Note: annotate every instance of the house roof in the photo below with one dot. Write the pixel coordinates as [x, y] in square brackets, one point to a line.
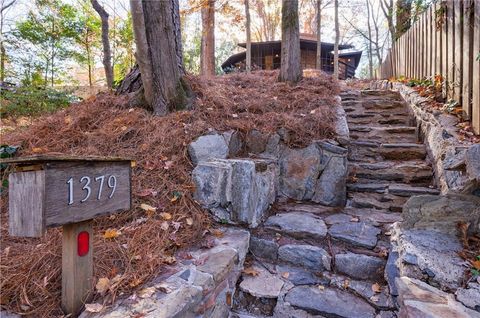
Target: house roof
[305, 43]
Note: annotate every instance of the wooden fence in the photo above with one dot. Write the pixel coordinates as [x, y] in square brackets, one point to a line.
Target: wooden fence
[445, 40]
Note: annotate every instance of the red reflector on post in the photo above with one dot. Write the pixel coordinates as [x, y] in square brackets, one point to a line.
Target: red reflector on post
[83, 243]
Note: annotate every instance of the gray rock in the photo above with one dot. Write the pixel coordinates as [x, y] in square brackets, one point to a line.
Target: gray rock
[338, 218]
[442, 213]
[331, 188]
[418, 299]
[472, 162]
[298, 224]
[234, 142]
[374, 215]
[402, 151]
[436, 255]
[405, 190]
[300, 276]
[262, 285]
[236, 191]
[331, 148]
[329, 302]
[308, 256]
[368, 187]
[341, 126]
[236, 238]
[360, 266]
[219, 263]
[381, 300]
[356, 233]
[386, 314]
[299, 171]
[392, 272]
[264, 248]
[212, 183]
[256, 141]
[470, 296]
[208, 147]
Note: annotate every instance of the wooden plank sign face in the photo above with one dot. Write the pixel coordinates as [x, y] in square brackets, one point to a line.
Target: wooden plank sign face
[76, 192]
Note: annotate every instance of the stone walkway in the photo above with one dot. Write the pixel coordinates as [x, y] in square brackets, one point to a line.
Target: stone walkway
[314, 261]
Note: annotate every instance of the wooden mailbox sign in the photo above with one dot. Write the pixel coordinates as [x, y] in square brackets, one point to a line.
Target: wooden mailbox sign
[46, 191]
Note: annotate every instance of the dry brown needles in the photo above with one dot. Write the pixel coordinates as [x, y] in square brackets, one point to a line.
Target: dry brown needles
[30, 268]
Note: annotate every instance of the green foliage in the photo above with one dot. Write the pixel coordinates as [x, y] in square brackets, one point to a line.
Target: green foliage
[123, 41]
[6, 151]
[33, 101]
[51, 29]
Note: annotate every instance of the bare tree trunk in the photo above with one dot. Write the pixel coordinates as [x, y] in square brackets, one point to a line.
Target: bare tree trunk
[290, 70]
[370, 57]
[387, 8]
[2, 61]
[337, 39]
[142, 54]
[107, 55]
[207, 51]
[248, 67]
[162, 26]
[319, 34]
[404, 12]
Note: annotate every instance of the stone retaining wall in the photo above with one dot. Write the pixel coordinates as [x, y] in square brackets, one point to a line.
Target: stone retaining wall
[202, 285]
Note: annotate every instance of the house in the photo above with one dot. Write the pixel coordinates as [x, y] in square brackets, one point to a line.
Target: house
[266, 56]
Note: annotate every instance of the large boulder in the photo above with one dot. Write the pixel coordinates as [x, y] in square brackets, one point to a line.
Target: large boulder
[442, 213]
[317, 172]
[215, 146]
[236, 191]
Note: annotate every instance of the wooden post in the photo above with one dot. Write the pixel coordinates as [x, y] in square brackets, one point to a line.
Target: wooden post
[467, 58]
[438, 40]
[476, 71]
[458, 56]
[445, 49]
[77, 266]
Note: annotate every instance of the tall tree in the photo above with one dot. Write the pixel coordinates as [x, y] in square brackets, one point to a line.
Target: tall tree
[248, 66]
[370, 50]
[319, 35]
[388, 10]
[207, 52]
[403, 17]
[4, 6]
[268, 14]
[142, 54]
[290, 70]
[337, 39]
[51, 28]
[107, 55]
[162, 30]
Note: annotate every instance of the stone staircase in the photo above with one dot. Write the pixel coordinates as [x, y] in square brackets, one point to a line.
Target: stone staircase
[308, 260]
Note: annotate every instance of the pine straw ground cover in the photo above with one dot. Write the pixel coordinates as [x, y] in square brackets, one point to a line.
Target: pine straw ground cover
[139, 243]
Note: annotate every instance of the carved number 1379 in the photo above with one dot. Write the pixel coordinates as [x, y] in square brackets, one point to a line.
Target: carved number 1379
[85, 181]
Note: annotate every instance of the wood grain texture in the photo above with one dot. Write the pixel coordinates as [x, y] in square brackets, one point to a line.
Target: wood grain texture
[476, 71]
[77, 271]
[26, 209]
[467, 58]
[58, 211]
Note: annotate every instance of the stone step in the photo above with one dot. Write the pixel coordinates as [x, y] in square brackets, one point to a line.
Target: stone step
[405, 190]
[390, 138]
[402, 151]
[383, 104]
[398, 189]
[408, 172]
[298, 225]
[378, 201]
[386, 94]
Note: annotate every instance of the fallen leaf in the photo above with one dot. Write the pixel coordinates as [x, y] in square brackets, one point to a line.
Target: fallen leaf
[93, 307]
[135, 282]
[321, 287]
[147, 208]
[176, 195]
[208, 242]
[168, 165]
[216, 232]
[251, 271]
[354, 219]
[285, 275]
[111, 233]
[102, 285]
[166, 216]
[68, 120]
[346, 283]
[146, 292]
[176, 226]
[170, 260]
[189, 221]
[146, 193]
[37, 150]
[6, 251]
[376, 288]
[228, 299]
[476, 264]
[374, 298]
[164, 226]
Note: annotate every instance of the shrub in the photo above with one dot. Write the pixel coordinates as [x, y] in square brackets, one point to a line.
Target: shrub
[33, 101]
